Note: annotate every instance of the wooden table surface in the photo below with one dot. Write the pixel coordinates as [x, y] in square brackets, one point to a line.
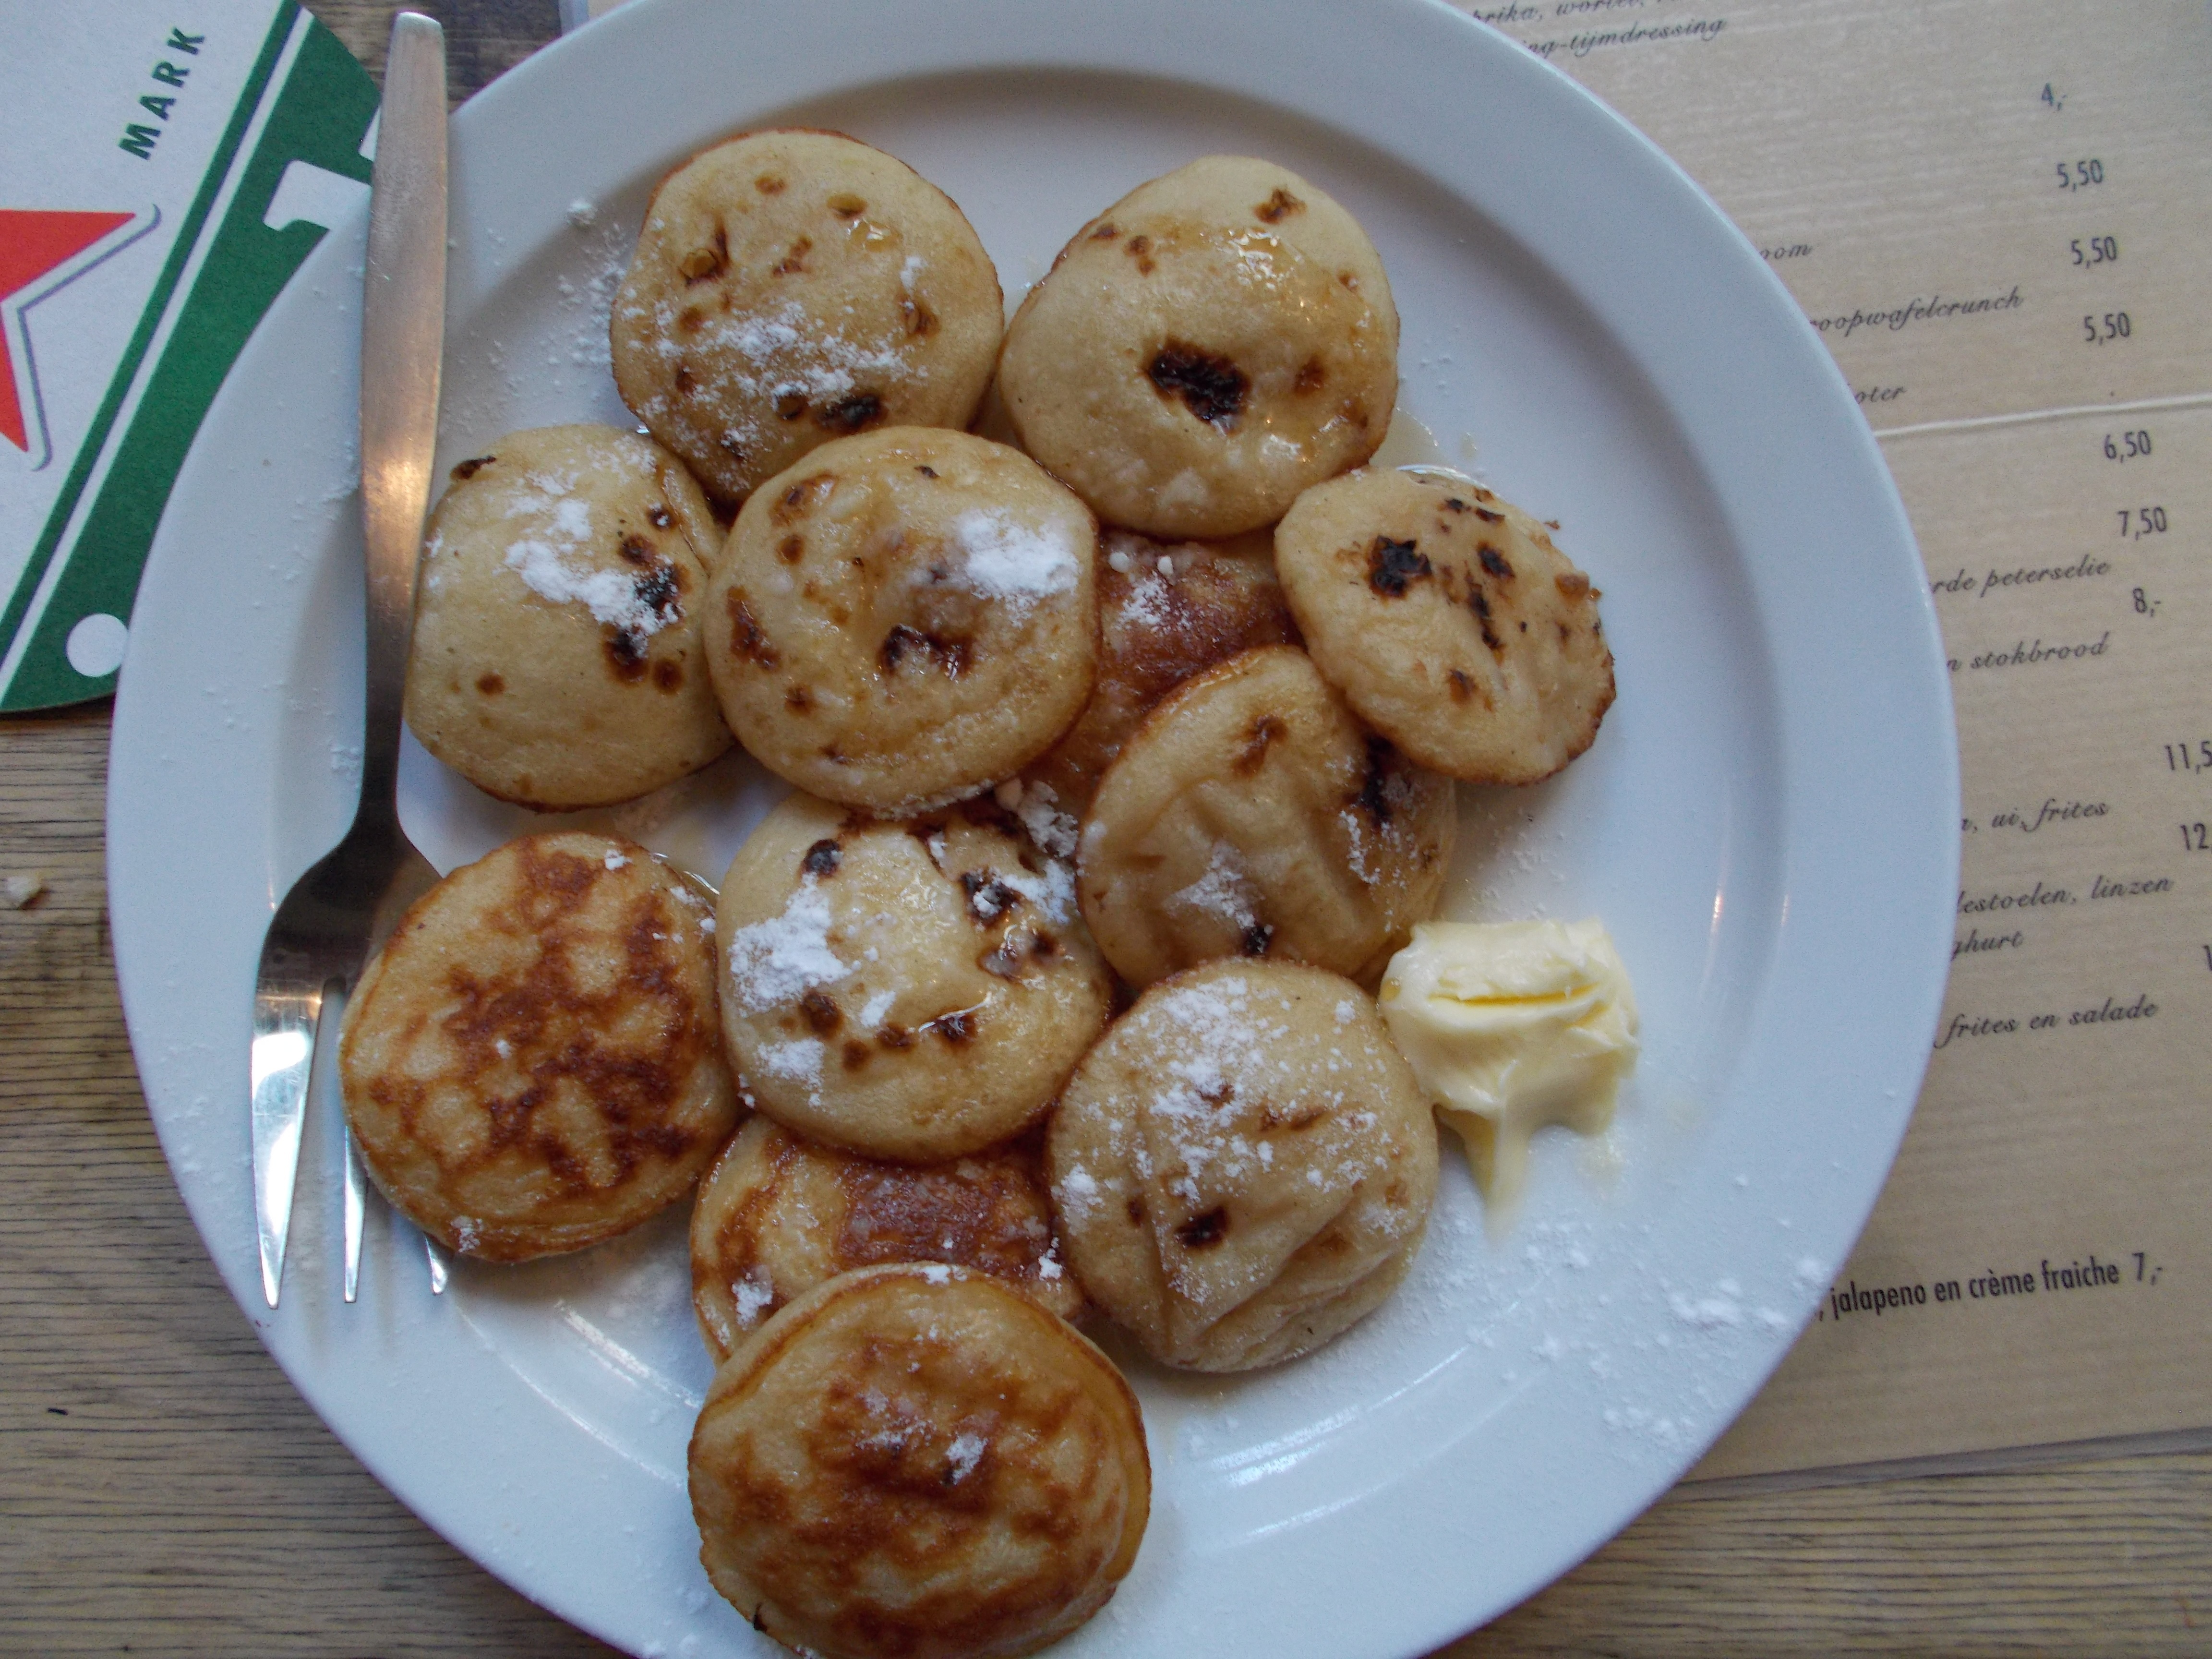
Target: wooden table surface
[163, 1491]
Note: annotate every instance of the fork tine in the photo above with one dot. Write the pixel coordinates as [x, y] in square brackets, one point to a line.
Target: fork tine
[340, 910]
[438, 1264]
[354, 1197]
[282, 1058]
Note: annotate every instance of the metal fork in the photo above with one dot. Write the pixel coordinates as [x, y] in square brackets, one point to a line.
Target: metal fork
[339, 912]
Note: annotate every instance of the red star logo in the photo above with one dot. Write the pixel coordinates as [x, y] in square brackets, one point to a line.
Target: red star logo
[34, 244]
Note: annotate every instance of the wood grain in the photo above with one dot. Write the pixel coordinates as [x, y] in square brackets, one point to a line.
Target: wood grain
[164, 1491]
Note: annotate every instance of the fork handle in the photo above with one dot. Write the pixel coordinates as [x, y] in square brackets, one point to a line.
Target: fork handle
[403, 326]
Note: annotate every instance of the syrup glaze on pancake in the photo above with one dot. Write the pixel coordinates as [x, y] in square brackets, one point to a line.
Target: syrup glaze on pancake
[1212, 344]
[533, 1063]
[914, 991]
[1251, 815]
[1166, 612]
[779, 1215]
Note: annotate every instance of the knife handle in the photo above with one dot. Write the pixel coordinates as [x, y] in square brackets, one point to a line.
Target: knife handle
[403, 328]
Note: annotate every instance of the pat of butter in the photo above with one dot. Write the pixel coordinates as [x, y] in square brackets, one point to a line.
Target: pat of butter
[1512, 1026]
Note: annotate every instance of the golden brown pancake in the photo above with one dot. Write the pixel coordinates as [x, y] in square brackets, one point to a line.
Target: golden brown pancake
[1251, 815]
[917, 1462]
[912, 991]
[1212, 344]
[557, 660]
[793, 286]
[531, 1064]
[778, 1215]
[1447, 618]
[903, 617]
[1243, 1166]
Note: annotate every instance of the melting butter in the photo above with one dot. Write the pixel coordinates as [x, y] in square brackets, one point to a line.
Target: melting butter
[1510, 1027]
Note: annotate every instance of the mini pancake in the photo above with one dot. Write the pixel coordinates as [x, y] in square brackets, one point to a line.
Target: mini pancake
[915, 991]
[1165, 613]
[1212, 344]
[1449, 621]
[778, 1215]
[531, 1064]
[905, 617]
[556, 660]
[917, 1462]
[792, 286]
[1251, 815]
[1242, 1167]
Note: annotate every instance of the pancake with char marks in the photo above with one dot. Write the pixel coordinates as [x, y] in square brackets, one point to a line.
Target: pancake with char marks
[917, 1462]
[533, 1062]
[779, 1215]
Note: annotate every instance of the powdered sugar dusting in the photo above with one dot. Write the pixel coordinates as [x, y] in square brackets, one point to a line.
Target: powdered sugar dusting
[776, 961]
[1051, 829]
[798, 1060]
[1356, 838]
[765, 358]
[1015, 562]
[753, 1294]
[963, 1454]
[1053, 892]
[1224, 890]
[554, 559]
[1707, 1313]
[1077, 1191]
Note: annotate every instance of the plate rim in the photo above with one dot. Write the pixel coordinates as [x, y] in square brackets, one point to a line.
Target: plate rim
[1764, 306]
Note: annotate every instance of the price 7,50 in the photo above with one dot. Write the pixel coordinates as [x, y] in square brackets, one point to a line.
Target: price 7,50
[2137, 522]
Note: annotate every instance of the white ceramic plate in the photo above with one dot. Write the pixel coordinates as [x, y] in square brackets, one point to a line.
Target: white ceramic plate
[1767, 821]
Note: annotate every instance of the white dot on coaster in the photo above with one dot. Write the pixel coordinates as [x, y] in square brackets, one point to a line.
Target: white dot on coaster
[95, 645]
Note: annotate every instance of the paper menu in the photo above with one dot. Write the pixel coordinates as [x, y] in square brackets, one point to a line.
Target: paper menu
[2000, 217]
